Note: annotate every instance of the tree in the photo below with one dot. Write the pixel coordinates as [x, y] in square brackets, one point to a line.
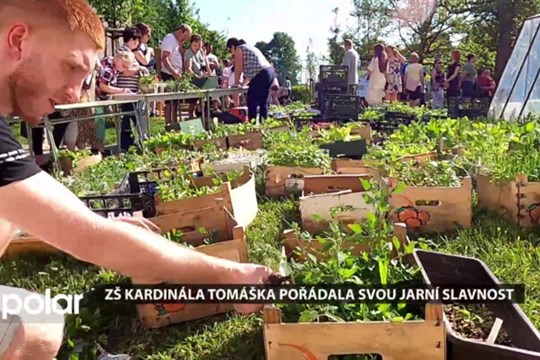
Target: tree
[335, 47]
[161, 15]
[494, 24]
[424, 26]
[280, 51]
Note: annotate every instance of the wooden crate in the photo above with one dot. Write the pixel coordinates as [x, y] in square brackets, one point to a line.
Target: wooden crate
[365, 132]
[232, 246]
[291, 244]
[517, 200]
[321, 193]
[249, 141]
[66, 164]
[451, 207]
[501, 198]
[27, 244]
[221, 143]
[318, 341]
[353, 166]
[279, 178]
[239, 198]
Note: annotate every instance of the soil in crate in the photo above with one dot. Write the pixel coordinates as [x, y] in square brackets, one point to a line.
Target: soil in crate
[475, 323]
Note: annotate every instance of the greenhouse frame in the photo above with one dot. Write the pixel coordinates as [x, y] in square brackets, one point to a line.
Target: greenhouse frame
[518, 92]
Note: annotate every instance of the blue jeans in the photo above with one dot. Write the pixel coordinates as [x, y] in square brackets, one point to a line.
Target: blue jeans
[257, 94]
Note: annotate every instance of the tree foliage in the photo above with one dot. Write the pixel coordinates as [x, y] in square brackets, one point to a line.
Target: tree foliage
[280, 51]
[163, 16]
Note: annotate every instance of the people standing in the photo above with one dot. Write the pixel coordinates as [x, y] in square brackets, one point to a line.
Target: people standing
[258, 73]
[172, 52]
[394, 79]
[376, 76]
[350, 59]
[414, 80]
[437, 85]
[452, 83]
[144, 54]
[196, 65]
[213, 60]
[468, 79]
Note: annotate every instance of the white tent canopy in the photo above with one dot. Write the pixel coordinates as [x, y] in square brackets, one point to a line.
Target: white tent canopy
[518, 93]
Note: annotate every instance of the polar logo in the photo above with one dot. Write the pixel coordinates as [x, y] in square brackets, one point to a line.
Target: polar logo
[34, 304]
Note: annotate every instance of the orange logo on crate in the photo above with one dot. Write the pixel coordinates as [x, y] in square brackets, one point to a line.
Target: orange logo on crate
[412, 217]
[534, 213]
[306, 352]
[165, 309]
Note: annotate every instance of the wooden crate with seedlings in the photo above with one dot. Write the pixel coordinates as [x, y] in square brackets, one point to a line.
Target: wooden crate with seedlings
[365, 133]
[320, 340]
[517, 200]
[432, 209]
[353, 166]
[249, 141]
[238, 196]
[502, 198]
[391, 340]
[281, 179]
[221, 143]
[322, 193]
[231, 245]
[295, 248]
[69, 167]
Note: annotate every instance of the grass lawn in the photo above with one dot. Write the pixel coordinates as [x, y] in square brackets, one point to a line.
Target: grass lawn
[510, 252]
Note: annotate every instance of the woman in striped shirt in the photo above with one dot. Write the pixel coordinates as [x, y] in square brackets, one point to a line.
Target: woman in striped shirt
[258, 72]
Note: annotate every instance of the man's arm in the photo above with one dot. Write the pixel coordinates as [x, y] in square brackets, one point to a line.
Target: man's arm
[46, 209]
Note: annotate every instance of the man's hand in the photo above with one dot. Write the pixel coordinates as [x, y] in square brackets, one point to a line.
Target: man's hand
[250, 274]
[176, 75]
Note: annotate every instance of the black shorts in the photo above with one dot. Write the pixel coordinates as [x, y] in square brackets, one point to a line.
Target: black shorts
[416, 94]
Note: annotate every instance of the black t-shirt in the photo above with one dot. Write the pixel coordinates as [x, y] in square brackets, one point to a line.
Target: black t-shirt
[16, 164]
[454, 84]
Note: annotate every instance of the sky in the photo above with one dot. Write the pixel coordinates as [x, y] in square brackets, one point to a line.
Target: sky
[257, 20]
